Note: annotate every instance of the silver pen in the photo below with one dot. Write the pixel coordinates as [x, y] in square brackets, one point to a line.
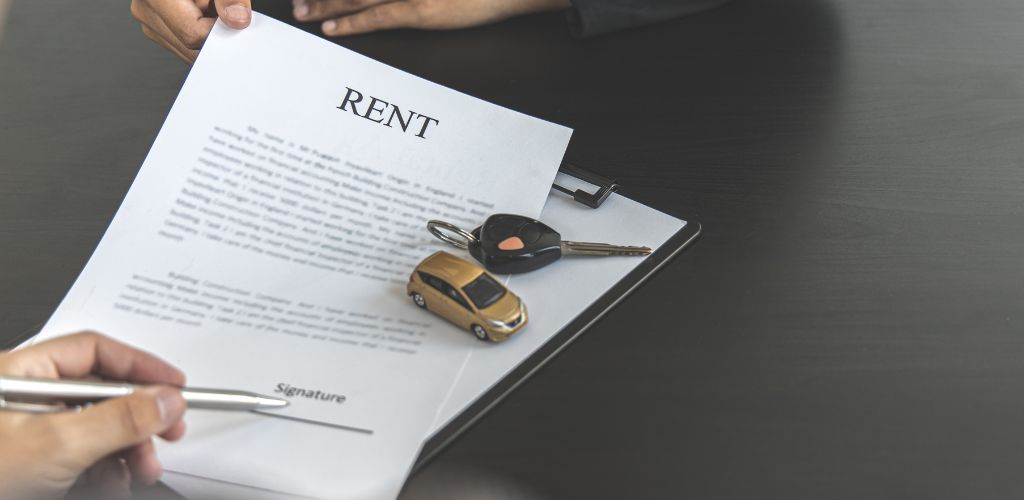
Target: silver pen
[43, 395]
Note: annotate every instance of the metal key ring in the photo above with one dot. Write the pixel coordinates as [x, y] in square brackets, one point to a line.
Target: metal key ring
[435, 226]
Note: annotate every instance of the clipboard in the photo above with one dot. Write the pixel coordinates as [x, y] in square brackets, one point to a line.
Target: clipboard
[603, 188]
[602, 191]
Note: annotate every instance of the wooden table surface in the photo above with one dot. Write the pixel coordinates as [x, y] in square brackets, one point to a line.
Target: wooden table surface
[849, 326]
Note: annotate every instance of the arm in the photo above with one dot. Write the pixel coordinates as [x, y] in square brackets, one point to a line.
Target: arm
[586, 17]
[350, 17]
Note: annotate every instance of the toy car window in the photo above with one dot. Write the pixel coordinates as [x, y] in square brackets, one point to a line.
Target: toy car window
[454, 294]
[484, 291]
[433, 281]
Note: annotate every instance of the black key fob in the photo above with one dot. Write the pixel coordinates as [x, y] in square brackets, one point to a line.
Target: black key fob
[512, 244]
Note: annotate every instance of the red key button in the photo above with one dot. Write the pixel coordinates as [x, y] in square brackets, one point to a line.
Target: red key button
[511, 243]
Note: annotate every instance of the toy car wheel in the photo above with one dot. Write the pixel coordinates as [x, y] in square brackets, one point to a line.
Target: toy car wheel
[418, 299]
[479, 332]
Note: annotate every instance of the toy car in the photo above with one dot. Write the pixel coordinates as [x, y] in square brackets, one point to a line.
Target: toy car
[463, 293]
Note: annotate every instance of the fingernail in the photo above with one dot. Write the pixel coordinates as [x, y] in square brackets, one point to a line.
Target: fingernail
[237, 13]
[329, 26]
[301, 10]
[169, 403]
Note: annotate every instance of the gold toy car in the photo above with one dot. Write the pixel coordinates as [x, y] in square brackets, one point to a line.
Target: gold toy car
[465, 294]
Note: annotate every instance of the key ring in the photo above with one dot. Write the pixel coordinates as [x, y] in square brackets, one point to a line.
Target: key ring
[435, 227]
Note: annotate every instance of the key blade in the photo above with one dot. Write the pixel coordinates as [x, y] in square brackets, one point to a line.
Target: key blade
[602, 249]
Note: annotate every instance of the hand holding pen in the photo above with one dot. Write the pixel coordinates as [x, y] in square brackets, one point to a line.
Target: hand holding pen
[103, 448]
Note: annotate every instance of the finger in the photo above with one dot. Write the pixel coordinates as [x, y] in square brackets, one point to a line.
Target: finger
[380, 17]
[116, 424]
[173, 44]
[176, 432]
[318, 10]
[235, 13]
[207, 7]
[155, 29]
[185, 20]
[153, 35]
[81, 354]
[144, 465]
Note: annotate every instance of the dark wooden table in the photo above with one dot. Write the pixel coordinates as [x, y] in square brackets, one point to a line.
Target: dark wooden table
[851, 324]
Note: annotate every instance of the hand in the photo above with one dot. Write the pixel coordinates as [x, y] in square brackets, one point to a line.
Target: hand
[182, 26]
[105, 447]
[348, 17]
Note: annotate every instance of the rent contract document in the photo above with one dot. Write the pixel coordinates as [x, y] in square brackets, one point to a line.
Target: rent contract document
[266, 242]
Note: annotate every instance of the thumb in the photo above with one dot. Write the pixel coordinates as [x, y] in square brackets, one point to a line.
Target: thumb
[235, 13]
[119, 423]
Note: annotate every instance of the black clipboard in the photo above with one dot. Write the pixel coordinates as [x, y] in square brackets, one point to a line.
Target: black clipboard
[593, 313]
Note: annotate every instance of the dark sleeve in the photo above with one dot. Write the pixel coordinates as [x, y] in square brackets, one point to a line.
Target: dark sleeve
[594, 17]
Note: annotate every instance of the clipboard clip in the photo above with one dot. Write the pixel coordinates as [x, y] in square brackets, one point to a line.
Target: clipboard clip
[605, 186]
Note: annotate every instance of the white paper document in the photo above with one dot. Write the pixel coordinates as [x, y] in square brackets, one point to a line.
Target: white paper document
[266, 243]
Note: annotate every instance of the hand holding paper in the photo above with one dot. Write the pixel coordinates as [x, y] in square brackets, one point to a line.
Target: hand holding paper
[181, 26]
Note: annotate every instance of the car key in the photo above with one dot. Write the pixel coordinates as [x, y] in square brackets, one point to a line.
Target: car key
[512, 244]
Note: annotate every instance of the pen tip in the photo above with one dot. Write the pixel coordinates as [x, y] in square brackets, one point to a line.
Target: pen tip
[272, 403]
